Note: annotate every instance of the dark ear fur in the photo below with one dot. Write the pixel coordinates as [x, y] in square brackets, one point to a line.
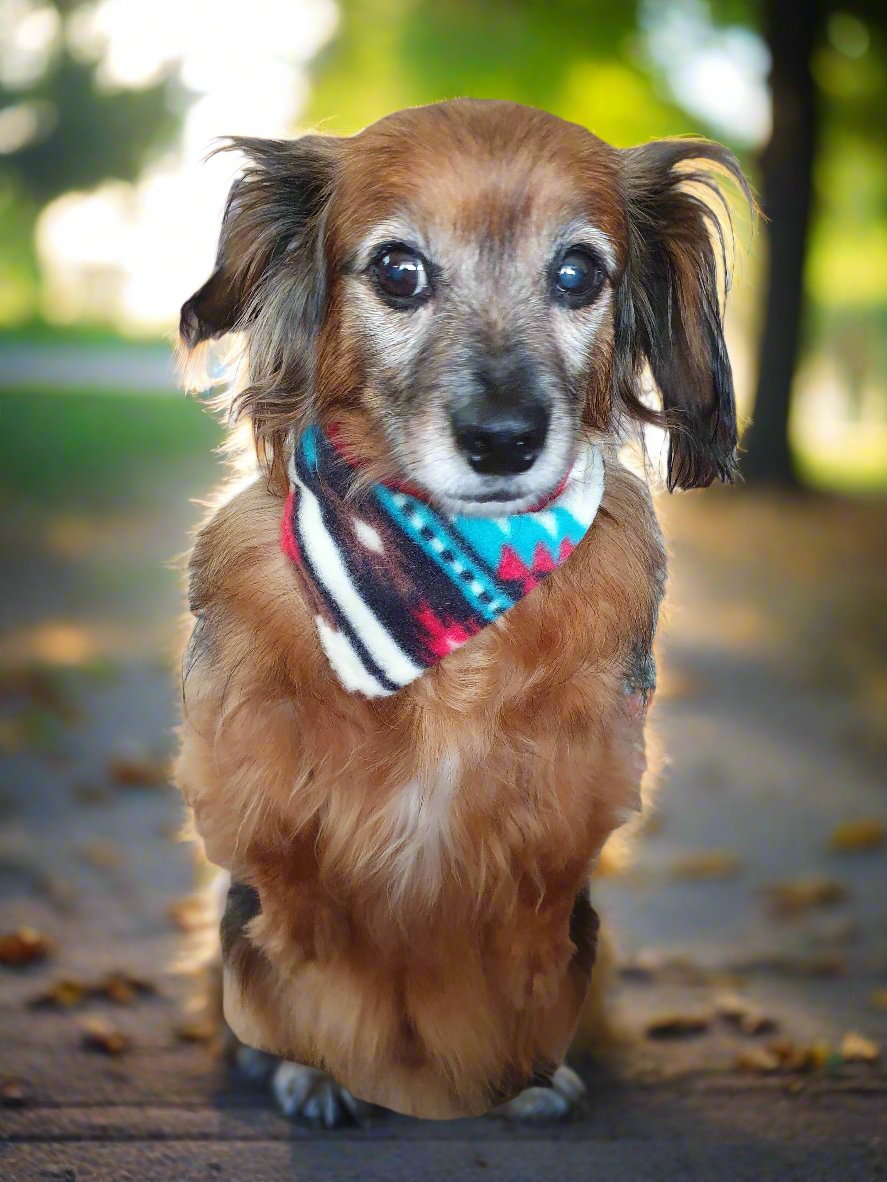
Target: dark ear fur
[270, 281]
[669, 308]
[273, 209]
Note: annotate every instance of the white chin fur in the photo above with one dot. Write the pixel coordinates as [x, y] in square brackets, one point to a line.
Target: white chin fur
[451, 484]
[458, 507]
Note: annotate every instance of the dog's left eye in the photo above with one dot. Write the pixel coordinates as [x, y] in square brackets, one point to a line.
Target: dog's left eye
[578, 277]
[400, 273]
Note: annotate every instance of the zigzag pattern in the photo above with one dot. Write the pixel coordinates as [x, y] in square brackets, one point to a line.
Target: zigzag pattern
[395, 585]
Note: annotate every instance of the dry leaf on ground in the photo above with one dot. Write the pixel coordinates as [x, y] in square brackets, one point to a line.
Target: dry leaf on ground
[705, 865]
[795, 896]
[138, 771]
[188, 914]
[13, 1093]
[656, 967]
[23, 946]
[758, 1060]
[101, 854]
[743, 1015]
[813, 1057]
[99, 1035]
[856, 1048]
[677, 1025]
[196, 1031]
[868, 833]
[120, 987]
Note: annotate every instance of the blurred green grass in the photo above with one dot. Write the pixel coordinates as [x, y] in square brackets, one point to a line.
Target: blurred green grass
[78, 447]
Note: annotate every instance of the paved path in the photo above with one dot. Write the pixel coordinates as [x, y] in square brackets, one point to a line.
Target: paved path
[87, 367]
[767, 755]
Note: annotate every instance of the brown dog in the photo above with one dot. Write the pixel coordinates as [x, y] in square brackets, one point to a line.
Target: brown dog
[410, 910]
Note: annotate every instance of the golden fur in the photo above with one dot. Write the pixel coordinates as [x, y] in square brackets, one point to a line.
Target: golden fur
[416, 951]
[418, 864]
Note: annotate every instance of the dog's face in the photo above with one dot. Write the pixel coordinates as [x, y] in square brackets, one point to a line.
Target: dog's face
[479, 285]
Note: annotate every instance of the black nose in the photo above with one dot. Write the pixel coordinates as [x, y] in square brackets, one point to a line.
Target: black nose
[502, 428]
[501, 442]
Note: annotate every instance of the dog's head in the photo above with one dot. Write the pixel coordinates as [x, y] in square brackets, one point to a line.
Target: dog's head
[479, 285]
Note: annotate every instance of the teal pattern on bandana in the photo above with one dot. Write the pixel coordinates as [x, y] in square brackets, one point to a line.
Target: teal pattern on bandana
[395, 584]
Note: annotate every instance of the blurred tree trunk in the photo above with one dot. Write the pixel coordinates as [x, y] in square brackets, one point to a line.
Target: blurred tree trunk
[787, 197]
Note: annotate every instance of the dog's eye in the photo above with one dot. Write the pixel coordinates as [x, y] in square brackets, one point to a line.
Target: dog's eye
[579, 277]
[400, 273]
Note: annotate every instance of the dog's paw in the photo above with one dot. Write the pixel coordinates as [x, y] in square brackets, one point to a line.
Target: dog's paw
[311, 1097]
[563, 1100]
[253, 1065]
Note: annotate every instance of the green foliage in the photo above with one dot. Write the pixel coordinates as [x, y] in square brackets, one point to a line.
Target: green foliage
[76, 447]
[571, 57]
[86, 133]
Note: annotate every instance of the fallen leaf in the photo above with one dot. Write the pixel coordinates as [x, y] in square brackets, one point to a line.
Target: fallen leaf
[14, 1093]
[188, 914]
[795, 896]
[878, 999]
[803, 1058]
[741, 1014]
[705, 865]
[677, 1025]
[652, 966]
[120, 987]
[39, 686]
[99, 1035]
[138, 771]
[609, 864]
[864, 834]
[758, 1060]
[196, 1031]
[23, 946]
[856, 1048]
[101, 854]
[64, 993]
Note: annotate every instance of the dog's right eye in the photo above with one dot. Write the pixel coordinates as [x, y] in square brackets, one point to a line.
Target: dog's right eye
[400, 274]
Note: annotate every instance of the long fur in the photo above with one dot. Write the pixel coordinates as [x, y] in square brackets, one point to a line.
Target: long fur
[410, 907]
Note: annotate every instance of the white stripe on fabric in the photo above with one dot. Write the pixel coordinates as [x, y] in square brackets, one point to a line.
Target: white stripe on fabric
[346, 662]
[323, 554]
[585, 488]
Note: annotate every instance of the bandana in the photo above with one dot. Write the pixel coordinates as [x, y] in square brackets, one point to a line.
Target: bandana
[396, 585]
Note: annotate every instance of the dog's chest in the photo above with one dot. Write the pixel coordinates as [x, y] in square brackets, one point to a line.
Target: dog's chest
[420, 824]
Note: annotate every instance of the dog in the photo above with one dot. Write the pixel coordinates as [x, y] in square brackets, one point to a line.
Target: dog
[461, 299]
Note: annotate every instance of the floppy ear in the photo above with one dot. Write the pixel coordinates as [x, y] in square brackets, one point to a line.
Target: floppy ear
[669, 309]
[272, 220]
[270, 282]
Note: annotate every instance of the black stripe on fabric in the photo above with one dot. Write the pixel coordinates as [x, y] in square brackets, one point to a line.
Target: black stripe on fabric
[334, 474]
[330, 482]
[441, 593]
[342, 622]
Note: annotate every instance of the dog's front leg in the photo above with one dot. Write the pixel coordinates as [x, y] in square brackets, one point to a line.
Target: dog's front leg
[305, 1094]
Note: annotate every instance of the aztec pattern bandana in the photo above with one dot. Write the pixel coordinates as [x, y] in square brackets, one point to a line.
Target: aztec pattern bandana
[396, 585]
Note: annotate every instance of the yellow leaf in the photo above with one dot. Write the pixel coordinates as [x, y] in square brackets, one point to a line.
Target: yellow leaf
[855, 1048]
[864, 834]
[704, 865]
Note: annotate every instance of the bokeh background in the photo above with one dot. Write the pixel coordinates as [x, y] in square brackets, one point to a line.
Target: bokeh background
[762, 868]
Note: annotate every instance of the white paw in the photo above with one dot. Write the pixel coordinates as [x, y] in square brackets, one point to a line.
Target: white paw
[254, 1065]
[562, 1100]
[312, 1097]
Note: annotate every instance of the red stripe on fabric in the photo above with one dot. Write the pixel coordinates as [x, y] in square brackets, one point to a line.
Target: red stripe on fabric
[288, 542]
